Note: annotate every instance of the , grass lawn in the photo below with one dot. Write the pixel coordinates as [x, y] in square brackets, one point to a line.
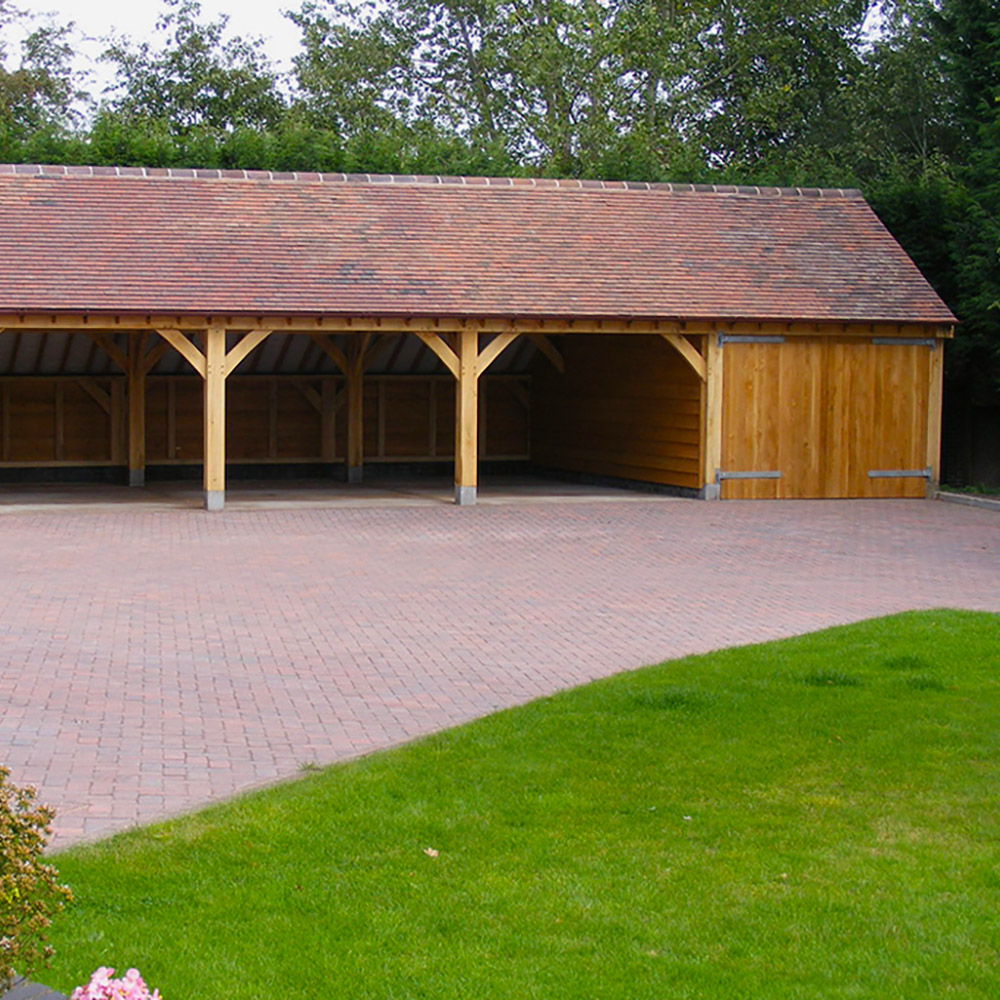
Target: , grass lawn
[815, 818]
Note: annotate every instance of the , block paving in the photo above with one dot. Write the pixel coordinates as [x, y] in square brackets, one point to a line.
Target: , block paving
[155, 659]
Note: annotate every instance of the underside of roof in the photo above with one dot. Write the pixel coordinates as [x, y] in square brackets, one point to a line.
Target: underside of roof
[109, 240]
[61, 352]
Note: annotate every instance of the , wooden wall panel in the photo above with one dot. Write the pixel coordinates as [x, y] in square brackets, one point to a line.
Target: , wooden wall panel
[442, 434]
[823, 412]
[4, 422]
[405, 416]
[627, 406]
[53, 420]
[157, 410]
[296, 424]
[48, 421]
[188, 422]
[506, 428]
[340, 421]
[411, 417]
[371, 414]
[32, 420]
[86, 429]
[248, 423]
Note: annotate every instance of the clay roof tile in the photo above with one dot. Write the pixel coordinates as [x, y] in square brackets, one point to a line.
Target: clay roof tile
[124, 239]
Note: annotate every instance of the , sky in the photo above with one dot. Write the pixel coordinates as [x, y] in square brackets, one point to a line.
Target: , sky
[137, 18]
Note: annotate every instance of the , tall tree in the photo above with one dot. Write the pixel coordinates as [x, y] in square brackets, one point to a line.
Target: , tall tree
[354, 70]
[769, 72]
[925, 144]
[542, 78]
[971, 35]
[38, 91]
[198, 79]
[535, 82]
[568, 86]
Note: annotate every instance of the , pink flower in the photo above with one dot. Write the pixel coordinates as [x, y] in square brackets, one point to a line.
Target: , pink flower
[103, 987]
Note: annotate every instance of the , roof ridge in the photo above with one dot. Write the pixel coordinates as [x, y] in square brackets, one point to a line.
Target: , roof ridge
[427, 180]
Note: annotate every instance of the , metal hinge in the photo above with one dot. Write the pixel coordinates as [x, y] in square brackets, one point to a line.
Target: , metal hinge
[720, 475]
[906, 341]
[900, 473]
[748, 338]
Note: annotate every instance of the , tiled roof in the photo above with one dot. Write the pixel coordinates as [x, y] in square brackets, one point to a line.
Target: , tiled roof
[134, 240]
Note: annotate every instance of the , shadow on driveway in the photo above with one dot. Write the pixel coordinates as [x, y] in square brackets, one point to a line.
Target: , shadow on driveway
[279, 494]
[155, 658]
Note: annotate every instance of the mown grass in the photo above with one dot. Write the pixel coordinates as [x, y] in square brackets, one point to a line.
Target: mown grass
[818, 817]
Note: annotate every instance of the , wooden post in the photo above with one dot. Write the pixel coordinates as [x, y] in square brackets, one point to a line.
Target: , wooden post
[467, 419]
[272, 419]
[467, 364]
[5, 417]
[355, 375]
[354, 363]
[214, 365]
[935, 387]
[328, 420]
[712, 440]
[137, 410]
[117, 421]
[60, 422]
[215, 418]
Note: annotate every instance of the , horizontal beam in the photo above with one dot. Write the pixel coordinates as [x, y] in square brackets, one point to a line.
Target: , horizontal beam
[443, 378]
[117, 323]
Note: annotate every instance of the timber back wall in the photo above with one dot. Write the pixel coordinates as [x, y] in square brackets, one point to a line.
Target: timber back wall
[628, 407]
[67, 420]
